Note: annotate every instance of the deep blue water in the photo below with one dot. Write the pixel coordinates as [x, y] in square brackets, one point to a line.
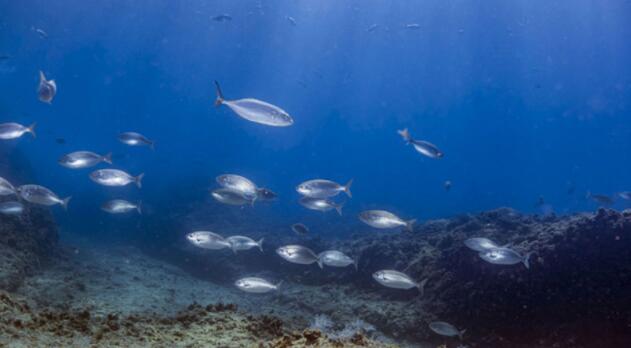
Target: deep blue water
[526, 99]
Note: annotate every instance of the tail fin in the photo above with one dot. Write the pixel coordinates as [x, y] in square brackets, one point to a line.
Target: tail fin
[338, 208]
[220, 98]
[64, 202]
[421, 286]
[139, 207]
[31, 129]
[260, 244]
[405, 134]
[356, 263]
[42, 77]
[526, 260]
[320, 263]
[233, 247]
[461, 333]
[279, 284]
[347, 188]
[138, 180]
[108, 158]
[253, 200]
[409, 225]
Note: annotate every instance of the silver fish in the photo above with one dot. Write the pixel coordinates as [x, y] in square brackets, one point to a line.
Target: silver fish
[11, 208]
[424, 147]
[445, 329]
[239, 184]
[625, 195]
[41, 195]
[207, 240]
[256, 285]
[413, 26]
[398, 280]
[6, 188]
[372, 28]
[120, 206]
[14, 130]
[231, 197]
[115, 177]
[298, 254]
[42, 34]
[84, 159]
[384, 219]
[135, 139]
[255, 110]
[320, 188]
[300, 229]
[505, 256]
[47, 89]
[291, 20]
[480, 244]
[336, 258]
[321, 204]
[244, 243]
[602, 199]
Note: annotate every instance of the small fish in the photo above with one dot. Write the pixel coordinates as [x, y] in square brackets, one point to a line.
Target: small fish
[447, 185]
[239, 184]
[445, 329]
[625, 195]
[320, 188]
[372, 28]
[413, 26]
[322, 205]
[298, 254]
[42, 34]
[336, 258]
[4, 56]
[481, 244]
[47, 89]
[505, 256]
[207, 240]
[398, 280]
[121, 206]
[84, 159]
[115, 177]
[135, 139]
[6, 188]
[256, 285]
[384, 219]
[291, 20]
[601, 199]
[230, 197]
[266, 194]
[255, 110]
[11, 208]
[300, 229]
[41, 195]
[423, 147]
[244, 243]
[224, 17]
[13, 130]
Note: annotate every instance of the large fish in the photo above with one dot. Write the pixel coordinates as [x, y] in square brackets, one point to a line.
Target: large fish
[256, 285]
[207, 240]
[244, 243]
[384, 219]
[398, 280]
[121, 206]
[115, 177]
[239, 184]
[320, 188]
[298, 254]
[322, 205]
[47, 89]
[41, 195]
[445, 329]
[423, 147]
[135, 139]
[14, 130]
[84, 159]
[335, 258]
[255, 110]
[505, 256]
[6, 188]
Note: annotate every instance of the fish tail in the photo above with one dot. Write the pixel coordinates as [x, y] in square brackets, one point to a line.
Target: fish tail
[260, 244]
[409, 225]
[108, 158]
[31, 129]
[421, 286]
[526, 260]
[405, 134]
[42, 77]
[320, 263]
[138, 180]
[338, 208]
[234, 248]
[139, 207]
[253, 200]
[461, 333]
[347, 188]
[220, 98]
[279, 284]
[64, 202]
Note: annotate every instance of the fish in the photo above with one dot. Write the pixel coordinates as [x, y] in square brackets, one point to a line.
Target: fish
[445, 329]
[423, 147]
[505, 256]
[230, 197]
[372, 28]
[255, 110]
[240, 184]
[121, 206]
[321, 188]
[335, 258]
[4, 56]
[14, 130]
[207, 240]
[115, 177]
[41, 195]
[322, 205]
[398, 280]
[6, 188]
[625, 195]
[384, 220]
[447, 185]
[47, 89]
[42, 34]
[413, 26]
[135, 139]
[300, 229]
[480, 244]
[224, 17]
[256, 285]
[291, 20]
[266, 194]
[244, 243]
[11, 208]
[601, 199]
[298, 254]
[84, 159]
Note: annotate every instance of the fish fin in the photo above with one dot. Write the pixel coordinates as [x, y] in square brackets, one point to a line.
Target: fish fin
[320, 263]
[421, 286]
[42, 77]
[139, 207]
[347, 188]
[356, 263]
[138, 180]
[64, 202]
[260, 244]
[234, 249]
[461, 333]
[338, 208]
[220, 98]
[405, 134]
[31, 129]
[253, 200]
[409, 225]
[108, 158]
[279, 284]
[526, 260]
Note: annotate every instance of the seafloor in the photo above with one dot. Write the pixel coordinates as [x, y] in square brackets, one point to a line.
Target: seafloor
[576, 294]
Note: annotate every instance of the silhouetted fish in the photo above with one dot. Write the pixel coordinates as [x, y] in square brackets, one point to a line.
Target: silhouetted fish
[224, 17]
[300, 229]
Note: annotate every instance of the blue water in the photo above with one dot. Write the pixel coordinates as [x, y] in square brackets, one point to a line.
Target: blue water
[526, 99]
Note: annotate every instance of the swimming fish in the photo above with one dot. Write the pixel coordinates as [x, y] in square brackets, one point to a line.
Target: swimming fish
[447, 185]
[256, 285]
[413, 26]
[372, 28]
[481, 244]
[121, 206]
[320, 188]
[42, 34]
[4, 56]
[300, 229]
[298, 254]
[224, 17]
[231, 197]
[47, 89]
[505, 256]
[135, 139]
[255, 110]
[207, 240]
[322, 205]
[445, 329]
[291, 20]
[601, 199]
[41, 195]
[6, 188]
[384, 219]
[11, 208]
[244, 243]
[336, 258]
[14, 130]
[115, 177]
[398, 280]
[239, 184]
[84, 159]
[423, 147]
[625, 195]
